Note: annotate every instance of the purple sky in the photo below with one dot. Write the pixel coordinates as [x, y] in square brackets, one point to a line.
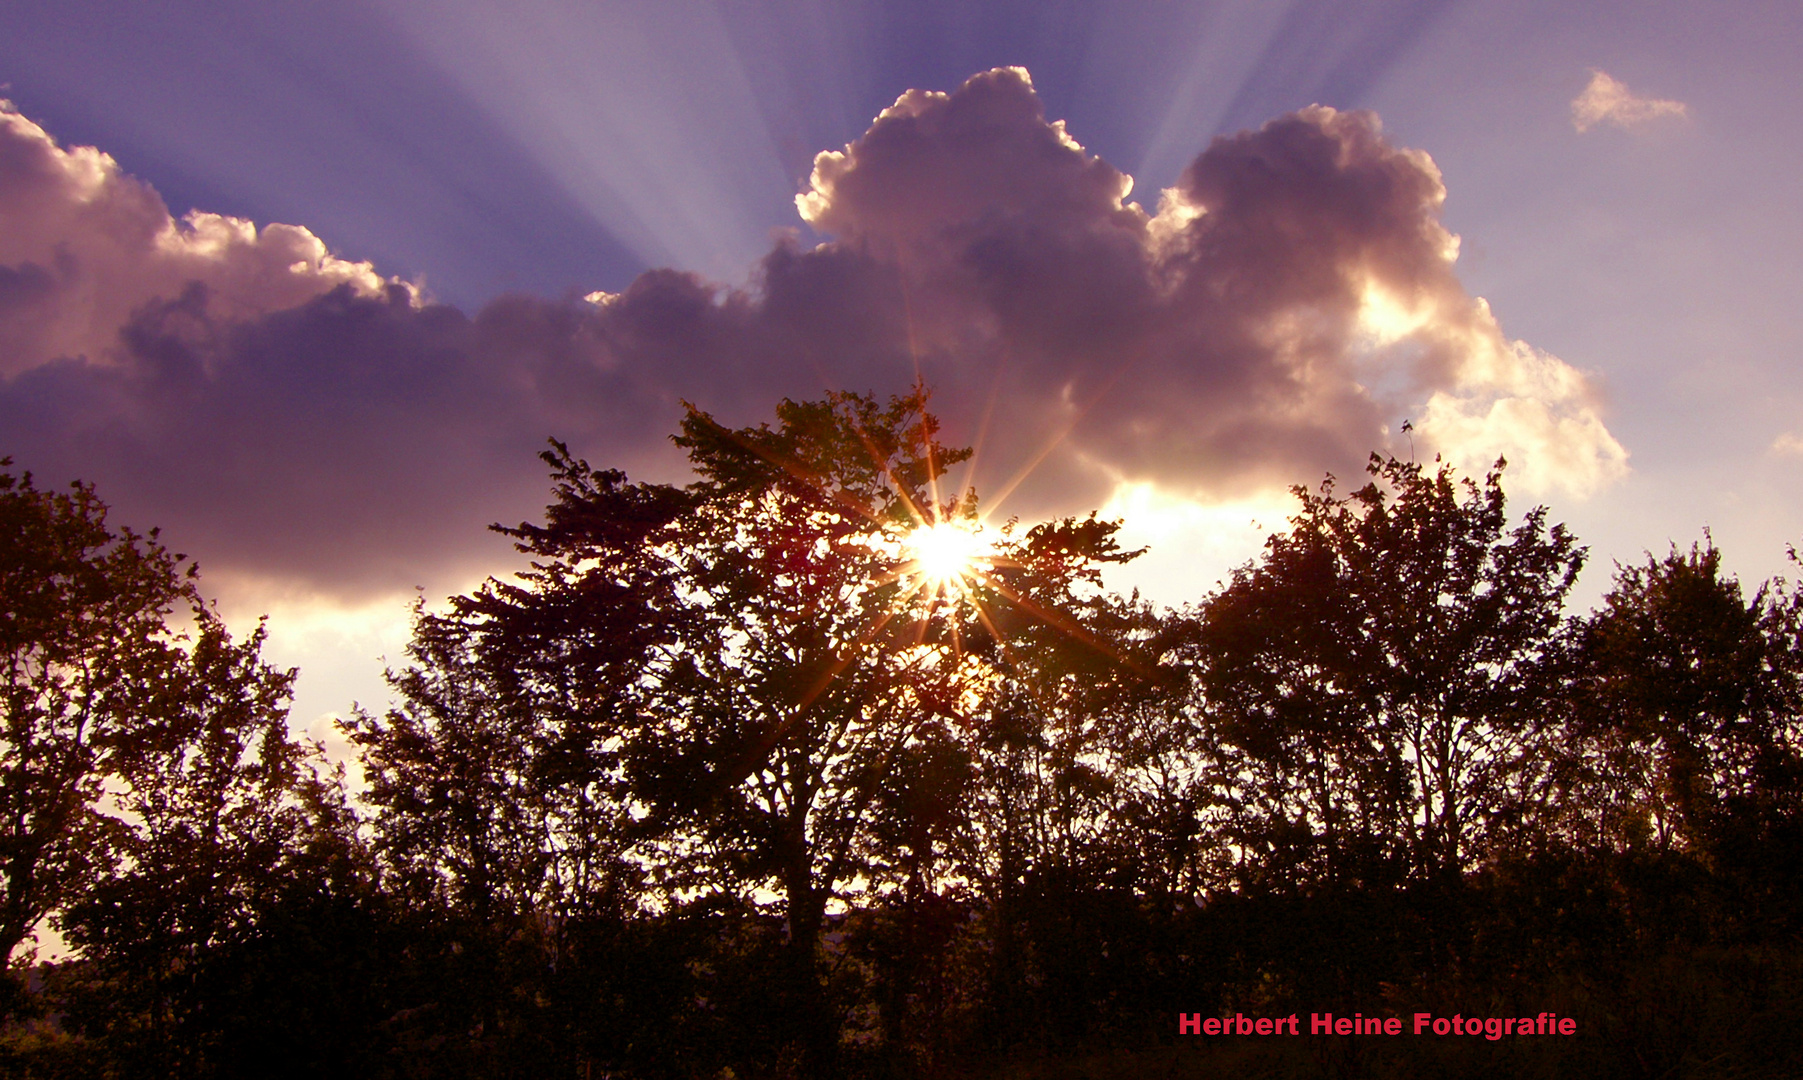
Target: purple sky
[1567, 235]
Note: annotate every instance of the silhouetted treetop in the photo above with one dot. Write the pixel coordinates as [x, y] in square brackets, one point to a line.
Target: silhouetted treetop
[1374, 680]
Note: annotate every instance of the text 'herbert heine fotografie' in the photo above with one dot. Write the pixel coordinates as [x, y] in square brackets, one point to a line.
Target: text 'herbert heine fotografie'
[1489, 1027]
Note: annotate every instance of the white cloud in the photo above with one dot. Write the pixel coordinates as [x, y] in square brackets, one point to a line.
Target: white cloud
[1607, 101]
[1511, 400]
[1292, 299]
[83, 246]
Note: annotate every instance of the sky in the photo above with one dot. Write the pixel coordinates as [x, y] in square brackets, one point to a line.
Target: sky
[308, 285]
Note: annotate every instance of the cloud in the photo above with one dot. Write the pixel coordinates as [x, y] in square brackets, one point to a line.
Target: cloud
[83, 245]
[1283, 307]
[1289, 300]
[355, 442]
[1605, 100]
[1789, 443]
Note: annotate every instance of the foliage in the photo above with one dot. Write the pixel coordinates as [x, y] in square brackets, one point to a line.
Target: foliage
[1684, 700]
[85, 648]
[741, 685]
[155, 804]
[739, 779]
[1374, 687]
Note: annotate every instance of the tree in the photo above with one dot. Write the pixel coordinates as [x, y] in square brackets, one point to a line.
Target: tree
[1374, 686]
[86, 649]
[762, 677]
[1685, 700]
[501, 816]
[215, 820]
[151, 794]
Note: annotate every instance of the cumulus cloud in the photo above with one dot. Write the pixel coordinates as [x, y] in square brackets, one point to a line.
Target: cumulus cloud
[1606, 101]
[286, 415]
[83, 246]
[1280, 309]
[1287, 301]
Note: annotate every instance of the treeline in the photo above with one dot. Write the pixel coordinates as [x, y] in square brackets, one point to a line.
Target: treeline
[791, 772]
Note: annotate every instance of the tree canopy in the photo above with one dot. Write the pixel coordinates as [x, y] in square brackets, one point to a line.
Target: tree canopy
[808, 767]
[1375, 686]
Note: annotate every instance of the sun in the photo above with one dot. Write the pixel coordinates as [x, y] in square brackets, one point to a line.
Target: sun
[946, 556]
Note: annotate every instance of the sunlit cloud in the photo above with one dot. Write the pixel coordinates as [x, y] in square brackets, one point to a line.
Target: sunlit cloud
[84, 246]
[1287, 303]
[1788, 444]
[1606, 101]
[1510, 400]
[1388, 318]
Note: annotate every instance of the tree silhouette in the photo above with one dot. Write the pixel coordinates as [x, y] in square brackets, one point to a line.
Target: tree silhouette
[1685, 700]
[151, 795]
[1374, 686]
[82, 611]
[797, 771]
[762, 683]
[212, 817]
[113, 719]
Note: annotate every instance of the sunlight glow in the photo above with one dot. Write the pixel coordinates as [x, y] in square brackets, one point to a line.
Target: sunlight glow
[1192, 544]
[945, 556]
[1388, 318]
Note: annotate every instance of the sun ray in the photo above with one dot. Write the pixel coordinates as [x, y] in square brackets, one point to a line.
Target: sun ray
[946, 560]
[982, 433]
[1038, 459]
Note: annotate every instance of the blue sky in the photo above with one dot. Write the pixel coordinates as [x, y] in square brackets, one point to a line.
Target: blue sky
[444, 139]
[553, 150]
